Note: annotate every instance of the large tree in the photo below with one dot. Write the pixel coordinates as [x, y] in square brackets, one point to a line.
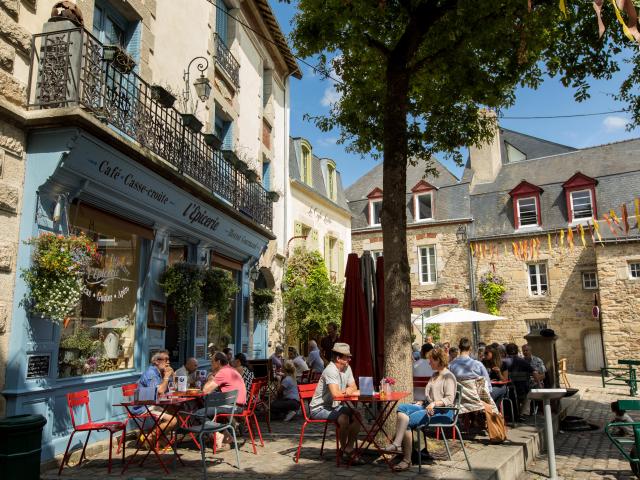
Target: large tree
[415, 76]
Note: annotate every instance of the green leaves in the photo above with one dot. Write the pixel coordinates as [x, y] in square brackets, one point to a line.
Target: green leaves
[182, 283]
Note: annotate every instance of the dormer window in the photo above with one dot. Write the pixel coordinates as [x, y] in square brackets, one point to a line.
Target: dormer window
[526, 205]
[332, 184]
[513, 154]
[305, 164]
[375, 207]
[423, 196]
[580, 195]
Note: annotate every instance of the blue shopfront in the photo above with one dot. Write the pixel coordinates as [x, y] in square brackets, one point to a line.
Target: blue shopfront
[142, 222]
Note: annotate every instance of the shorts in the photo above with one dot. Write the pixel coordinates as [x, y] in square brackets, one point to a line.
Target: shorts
[322, 413]
[418, 416]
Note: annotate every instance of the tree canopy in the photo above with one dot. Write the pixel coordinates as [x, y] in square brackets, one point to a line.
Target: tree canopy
[415, 76]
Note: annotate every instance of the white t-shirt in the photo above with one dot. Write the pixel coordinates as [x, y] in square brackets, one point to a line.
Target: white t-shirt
[330, 376]
[300, 364]
[421, 368]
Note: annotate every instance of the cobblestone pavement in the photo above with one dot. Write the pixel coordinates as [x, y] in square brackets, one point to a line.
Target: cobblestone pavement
[587, 455]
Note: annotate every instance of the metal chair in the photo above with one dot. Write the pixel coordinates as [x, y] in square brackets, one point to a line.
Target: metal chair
[206, 426]
[306, 393]
[562, 372]
[81, 399]
[249, 413]
[453, 424]
[263, 401]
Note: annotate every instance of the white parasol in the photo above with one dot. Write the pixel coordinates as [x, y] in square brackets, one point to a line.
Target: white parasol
[457, 315]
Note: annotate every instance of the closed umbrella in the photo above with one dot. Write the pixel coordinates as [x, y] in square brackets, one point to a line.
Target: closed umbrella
[355, 323]
[379, 323]
[367, 270]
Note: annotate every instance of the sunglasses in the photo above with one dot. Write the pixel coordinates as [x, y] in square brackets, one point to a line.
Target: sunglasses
[163, 359]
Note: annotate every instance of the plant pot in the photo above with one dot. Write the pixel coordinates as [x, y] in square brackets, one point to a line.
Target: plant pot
[212, 140]
[191, 122]
[252, 176]
[273, 196]
[119, 58]
[163, 96]
[70, 354]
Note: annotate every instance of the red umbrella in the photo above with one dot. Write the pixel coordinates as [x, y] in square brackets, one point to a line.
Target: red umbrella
[379, 321]
[355, 322]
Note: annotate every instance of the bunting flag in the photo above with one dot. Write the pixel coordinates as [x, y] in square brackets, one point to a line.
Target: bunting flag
[581, 230]
[570, 238]
[515, 249]
[471, 249]
[531, 242]
[561, 238]
[506, 251]
[637, 204]
[539, 242]
[616, 220]
[593, 238]
[625, 28]
[625, 219]
[608, 220]
[523, 250]
[549, 241]
[596, 227]
[563, 9]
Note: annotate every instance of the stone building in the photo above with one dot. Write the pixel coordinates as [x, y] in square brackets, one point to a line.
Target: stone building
[90, 142]
[519, 203]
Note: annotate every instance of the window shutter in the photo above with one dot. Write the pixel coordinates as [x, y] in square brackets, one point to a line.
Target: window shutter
[313, 245]
[222, 22]
[266, 175]
[227, 141]
[327, 251]
[297, 229]
[340, 259]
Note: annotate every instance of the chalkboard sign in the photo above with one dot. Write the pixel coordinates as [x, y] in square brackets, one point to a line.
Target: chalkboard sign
[38, 366]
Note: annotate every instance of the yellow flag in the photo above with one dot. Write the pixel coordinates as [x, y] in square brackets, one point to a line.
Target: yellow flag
[637, 204]
[549, 241]
[625, 29]
[581, 230]
[515, 249]
[596, 227]
[471, 248]
[561, 238]
[570, 238]
[506, 252]
[563, 8]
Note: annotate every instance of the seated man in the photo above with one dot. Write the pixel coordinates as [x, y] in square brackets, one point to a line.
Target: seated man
[189, 370]
[157, 375]
[520, 371]
[277, 362]
[314, 360]
[474, 379]
[337, 379]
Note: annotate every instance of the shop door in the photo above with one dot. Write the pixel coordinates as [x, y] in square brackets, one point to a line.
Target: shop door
[593, 352]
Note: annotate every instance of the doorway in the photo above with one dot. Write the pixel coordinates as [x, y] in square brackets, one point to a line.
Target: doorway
[593, 359]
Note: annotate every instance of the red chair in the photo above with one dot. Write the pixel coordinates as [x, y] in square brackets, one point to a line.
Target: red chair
[128, 391]
[264, 400]
[306, 393]
[314, 377]
[249, 413]
[81, 399]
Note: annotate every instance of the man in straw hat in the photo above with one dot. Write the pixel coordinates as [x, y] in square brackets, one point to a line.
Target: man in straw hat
[337, 379]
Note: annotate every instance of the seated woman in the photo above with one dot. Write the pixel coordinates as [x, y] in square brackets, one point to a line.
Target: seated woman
[497, 372]
[439, 392]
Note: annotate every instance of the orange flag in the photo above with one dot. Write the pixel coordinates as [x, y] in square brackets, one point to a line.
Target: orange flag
[549, 241]
[506, 251]
[608, 220]
[538, 246]
[615, 219]
[625, 219]
[570, 238]
[515, 249]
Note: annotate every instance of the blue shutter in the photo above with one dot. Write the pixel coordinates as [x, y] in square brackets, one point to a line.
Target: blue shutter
[222, 20]
[227, 141]
[266, 175]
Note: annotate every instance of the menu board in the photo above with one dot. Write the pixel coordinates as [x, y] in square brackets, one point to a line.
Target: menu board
[38, 366]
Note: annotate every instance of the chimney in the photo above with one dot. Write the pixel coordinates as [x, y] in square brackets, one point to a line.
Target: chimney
[486, 160]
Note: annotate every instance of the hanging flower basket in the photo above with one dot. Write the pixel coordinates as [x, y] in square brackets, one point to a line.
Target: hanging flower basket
[273, 196]
[262, 300]
[493, 292]
[252, 176]
[119, 58]
[191, 122]
[55, 279]
[212, 140]
[218, 290]
[163, 96]
[181, 284]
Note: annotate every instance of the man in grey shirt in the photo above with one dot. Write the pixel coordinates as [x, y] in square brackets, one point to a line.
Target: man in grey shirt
[314, 361]
[337, 379]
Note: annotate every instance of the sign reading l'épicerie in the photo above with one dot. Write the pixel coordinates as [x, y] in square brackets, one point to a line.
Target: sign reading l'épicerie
[136, 183]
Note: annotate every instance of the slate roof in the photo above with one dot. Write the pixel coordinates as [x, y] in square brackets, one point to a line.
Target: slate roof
[451, 199]
[317, 177]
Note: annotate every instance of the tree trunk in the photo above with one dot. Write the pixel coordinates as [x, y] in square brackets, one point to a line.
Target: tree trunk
[397, 283]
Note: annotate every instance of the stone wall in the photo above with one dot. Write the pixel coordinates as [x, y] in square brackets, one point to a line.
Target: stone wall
[620, 300]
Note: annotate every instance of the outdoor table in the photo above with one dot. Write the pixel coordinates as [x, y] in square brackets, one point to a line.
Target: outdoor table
[546, 395]
[387, 405]
[164, 404]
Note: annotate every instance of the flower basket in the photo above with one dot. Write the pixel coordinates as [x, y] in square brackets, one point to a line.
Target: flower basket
[273, 196]
[262, 300]
[191, 122]
[55, 279]
[119, 58]
[163, 96]
[212, 140]
[252, 176]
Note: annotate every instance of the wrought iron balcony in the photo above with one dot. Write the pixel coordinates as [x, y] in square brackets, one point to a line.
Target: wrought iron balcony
[226, 61]
[68, 69]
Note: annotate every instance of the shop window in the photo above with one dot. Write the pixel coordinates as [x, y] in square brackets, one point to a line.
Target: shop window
[221, 329]
[589, 280]
[427, 264]
[100, 335]
[538, 285]
[634, 270]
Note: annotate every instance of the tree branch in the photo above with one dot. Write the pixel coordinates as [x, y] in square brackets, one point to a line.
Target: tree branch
[377, 45]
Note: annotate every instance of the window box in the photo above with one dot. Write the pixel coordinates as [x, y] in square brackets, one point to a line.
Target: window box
[212, 140]
[273, 196]
[163, 96]
[191, 122]
[537, 275]
[119, 58]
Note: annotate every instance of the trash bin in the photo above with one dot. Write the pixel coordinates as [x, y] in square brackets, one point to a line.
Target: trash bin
[20, 446]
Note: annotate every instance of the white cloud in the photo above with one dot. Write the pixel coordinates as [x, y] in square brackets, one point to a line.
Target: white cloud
[327, 141]
[614, 123]
[330, 97]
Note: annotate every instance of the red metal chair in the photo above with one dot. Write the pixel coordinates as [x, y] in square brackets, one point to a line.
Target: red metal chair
[81, 399]
[249, 413]
[264, 400]
[128, 391]
[306, 393]
[314, 377]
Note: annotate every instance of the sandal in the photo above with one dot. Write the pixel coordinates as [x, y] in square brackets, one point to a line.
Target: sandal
[393, 448]
[352, 459]
[401, 466]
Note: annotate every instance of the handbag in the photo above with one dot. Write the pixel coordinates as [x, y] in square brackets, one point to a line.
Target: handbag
[495, 425]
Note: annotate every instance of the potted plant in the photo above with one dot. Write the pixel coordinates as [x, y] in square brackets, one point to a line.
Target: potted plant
[212, 140]
[119, 58]
[55, 279]
[218, 290]
[163, 95]
[273, 196]
[191, 122]
[252, 176]
[262, 300]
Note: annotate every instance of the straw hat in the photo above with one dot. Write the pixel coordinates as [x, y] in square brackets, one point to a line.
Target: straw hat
[342, 348]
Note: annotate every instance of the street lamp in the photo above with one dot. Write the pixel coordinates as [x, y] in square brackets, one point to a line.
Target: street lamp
[254, 273]
[201, 84]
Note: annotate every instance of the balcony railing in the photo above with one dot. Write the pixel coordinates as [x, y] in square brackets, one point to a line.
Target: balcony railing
[226, 60]
[68, 70]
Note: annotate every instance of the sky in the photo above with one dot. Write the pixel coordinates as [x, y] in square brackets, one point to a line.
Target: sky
[313, 95]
